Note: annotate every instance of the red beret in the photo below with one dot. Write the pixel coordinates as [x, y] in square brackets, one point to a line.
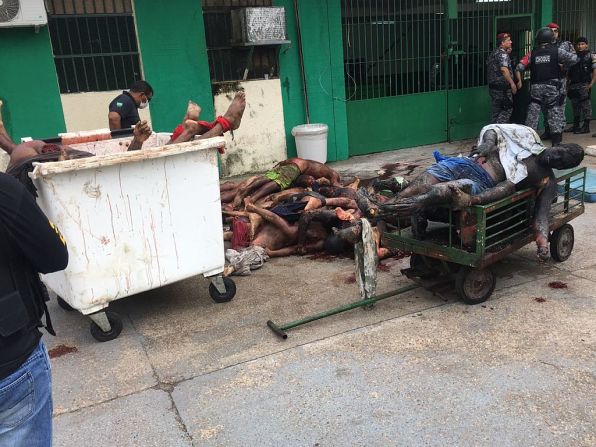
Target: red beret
[503, 35]
[552, 25]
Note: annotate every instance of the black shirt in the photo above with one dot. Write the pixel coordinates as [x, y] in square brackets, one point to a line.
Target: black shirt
[29, 237]
[126, 107]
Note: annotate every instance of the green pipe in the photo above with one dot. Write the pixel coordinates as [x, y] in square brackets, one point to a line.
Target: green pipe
[280, 330]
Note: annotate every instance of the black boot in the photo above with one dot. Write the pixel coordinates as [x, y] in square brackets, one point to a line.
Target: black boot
[584, 129]
[575, 126]
[546, 135]
[556, 139]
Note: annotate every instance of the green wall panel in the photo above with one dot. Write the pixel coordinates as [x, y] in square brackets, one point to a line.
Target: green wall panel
[28, 84]
[291, 78]
[174, 56]
[390, 123]
[469, 111]
[322, 47]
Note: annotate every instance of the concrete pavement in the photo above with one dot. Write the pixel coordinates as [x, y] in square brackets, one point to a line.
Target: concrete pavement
[415, 370]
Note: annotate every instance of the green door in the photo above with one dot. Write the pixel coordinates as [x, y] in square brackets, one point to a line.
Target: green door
[394, 57]
[415, 72]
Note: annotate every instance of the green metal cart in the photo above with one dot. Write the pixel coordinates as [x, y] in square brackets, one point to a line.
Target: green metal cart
[465, 246]
[472, 240]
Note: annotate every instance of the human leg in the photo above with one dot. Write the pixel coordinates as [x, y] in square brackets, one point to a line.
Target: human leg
[455, 193]
[26, 403]
[575, 106]
[535, 106]
[264, 190]
[246, 190]
[541, 210]
[233, 117]
[585, 111]
[274, 219]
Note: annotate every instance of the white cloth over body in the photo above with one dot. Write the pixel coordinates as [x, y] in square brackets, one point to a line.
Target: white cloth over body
[515, 143]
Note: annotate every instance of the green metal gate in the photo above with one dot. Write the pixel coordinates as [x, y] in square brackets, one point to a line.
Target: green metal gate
[415, 71]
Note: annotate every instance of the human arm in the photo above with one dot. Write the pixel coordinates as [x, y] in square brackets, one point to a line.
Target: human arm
[141, 133]
[507, 75]
[493, 194]
[504, 63]
[567, 59]
[28, 228]
[115, 121]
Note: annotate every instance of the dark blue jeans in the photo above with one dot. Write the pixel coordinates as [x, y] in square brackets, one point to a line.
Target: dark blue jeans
[26, 403]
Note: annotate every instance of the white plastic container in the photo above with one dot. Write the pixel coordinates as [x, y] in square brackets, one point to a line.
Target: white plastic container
[311, 141]
[134, 221]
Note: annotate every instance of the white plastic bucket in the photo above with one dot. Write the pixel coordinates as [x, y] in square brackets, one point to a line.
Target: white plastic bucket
[311, 141]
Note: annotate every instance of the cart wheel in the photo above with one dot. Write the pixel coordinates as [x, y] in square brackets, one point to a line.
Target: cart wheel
[115, 322]
[475, 286]
[223, 297]
[63, 304]
[422, 266]
[561, 243]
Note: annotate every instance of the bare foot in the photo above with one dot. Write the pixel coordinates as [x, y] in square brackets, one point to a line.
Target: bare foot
[343, 215]
[542, 253]
[193, 111]
[191, 126]
[460, 198]
[255, 224]
[236, 110]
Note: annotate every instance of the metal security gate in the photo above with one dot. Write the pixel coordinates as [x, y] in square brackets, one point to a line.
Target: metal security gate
[415, 71]
[577, 18]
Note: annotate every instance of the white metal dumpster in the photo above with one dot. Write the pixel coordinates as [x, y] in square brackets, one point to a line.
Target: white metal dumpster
[134, 221]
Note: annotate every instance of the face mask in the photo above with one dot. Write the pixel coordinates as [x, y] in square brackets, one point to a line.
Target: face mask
[143, 105]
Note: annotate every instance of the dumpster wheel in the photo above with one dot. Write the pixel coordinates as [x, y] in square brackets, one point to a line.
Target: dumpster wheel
[475, 286]
[116, 327]
[227, 295]
[561, 243]
[63, 304]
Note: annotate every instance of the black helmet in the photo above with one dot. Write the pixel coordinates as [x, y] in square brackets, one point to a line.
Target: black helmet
[544, 35]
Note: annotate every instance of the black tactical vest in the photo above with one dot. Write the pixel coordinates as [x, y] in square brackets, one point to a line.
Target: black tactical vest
[581, 73]
[544, 65]
[22, 295]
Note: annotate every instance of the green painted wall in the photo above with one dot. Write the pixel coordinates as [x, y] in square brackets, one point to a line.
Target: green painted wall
[291, 78]
[407, 121]
[174, 57]
[323, 61]
[545, 14]
[29, 85]
[469, 111]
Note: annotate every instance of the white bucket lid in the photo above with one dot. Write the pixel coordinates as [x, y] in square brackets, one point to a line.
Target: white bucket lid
[310, 129]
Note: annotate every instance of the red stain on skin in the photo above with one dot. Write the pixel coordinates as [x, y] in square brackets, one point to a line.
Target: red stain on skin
[539, 299]
[557, 285]
[61, 350]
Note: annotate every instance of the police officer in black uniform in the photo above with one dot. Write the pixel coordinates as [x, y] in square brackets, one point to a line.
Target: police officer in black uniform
[545, 63]
[581, 79]
[565, 45]
[29, 244]
[124, 108]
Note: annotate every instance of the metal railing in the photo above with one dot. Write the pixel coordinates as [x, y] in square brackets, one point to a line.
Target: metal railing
[401, 47]
[576, 18]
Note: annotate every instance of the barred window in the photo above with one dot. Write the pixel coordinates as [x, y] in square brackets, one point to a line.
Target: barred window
[232, 63]
[94, 44]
